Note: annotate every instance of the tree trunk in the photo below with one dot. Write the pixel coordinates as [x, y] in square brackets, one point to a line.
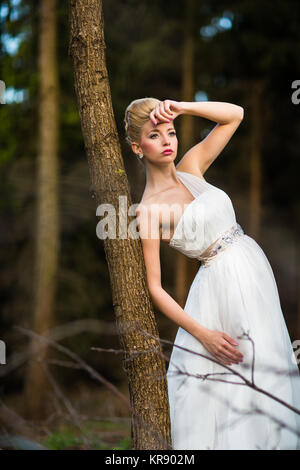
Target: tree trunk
[255, 159]
[150, 424]
[186, 268]
[47, 228]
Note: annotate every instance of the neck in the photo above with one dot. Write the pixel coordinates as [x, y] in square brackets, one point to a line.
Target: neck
[159, 178]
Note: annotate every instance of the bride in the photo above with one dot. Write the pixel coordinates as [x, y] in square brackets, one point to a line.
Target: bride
[237, 350]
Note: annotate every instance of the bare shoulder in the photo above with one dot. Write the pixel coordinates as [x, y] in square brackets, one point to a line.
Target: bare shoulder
[148, 219]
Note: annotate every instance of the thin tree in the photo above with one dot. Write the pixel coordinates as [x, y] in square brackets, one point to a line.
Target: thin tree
[186, 268]
[150, 427]
[47, 225]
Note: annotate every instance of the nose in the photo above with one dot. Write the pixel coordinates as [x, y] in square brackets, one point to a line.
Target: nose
[166, 140]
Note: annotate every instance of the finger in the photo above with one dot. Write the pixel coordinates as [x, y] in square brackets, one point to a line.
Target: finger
[232, 348]
[152, 118]
[235, 355]
[163, 113]
[155, 113]
[224, 361]
[167, 107]
[158, 116]
[223, 358]
[230, 340]
[229, 357]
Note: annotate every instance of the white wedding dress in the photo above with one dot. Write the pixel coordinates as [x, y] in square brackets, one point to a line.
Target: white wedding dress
[235, 292]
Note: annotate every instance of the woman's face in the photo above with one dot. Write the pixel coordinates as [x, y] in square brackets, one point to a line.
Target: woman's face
[156, 139]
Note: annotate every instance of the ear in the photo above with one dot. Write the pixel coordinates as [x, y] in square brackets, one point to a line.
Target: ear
[135, 148]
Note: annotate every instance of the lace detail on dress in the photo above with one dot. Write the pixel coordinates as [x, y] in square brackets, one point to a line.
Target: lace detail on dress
[226, 239]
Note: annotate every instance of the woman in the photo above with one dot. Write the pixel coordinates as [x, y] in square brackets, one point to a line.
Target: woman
[232, 318]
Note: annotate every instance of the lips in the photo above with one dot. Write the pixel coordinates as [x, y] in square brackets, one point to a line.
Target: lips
[167, 152]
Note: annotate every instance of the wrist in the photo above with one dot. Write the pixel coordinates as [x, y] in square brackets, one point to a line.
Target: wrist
[202, 333]
[194, 108]
[184, 107]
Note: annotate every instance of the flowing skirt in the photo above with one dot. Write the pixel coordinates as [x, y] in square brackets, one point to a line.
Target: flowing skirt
[211, 408]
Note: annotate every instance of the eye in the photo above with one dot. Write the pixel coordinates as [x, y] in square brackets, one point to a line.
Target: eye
[154, 135]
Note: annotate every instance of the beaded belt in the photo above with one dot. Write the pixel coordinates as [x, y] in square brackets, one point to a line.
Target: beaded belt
[227, 238]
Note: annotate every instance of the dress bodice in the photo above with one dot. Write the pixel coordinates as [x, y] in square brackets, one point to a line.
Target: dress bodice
[205, 219]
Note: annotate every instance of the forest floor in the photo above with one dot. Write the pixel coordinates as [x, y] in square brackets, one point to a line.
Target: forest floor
[87, 418]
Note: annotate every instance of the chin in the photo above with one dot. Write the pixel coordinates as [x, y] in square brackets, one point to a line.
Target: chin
[170, 157]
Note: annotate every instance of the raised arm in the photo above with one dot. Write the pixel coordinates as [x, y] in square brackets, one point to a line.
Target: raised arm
[228, 117]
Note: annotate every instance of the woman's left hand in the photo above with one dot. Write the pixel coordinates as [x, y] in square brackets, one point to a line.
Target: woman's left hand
[166, 111]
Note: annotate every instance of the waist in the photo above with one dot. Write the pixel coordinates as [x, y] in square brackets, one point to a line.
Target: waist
[219, 245]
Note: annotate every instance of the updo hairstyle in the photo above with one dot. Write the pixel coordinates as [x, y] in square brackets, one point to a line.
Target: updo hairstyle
[136, 115]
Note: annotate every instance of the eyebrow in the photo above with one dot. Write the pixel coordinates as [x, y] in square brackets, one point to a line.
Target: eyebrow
[157, 130]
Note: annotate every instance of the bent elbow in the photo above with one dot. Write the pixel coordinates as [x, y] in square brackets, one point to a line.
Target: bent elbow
[153, 290]
[241, 113]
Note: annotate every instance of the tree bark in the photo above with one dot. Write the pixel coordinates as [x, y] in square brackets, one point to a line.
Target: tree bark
[47, 228]
[150, 424]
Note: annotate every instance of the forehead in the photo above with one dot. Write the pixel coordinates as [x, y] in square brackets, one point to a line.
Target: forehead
[163, 126]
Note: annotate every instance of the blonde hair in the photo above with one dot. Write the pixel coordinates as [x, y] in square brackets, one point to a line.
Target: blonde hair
[136, 115]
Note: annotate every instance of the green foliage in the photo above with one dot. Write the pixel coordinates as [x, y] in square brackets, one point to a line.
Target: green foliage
[125, 444]
[93, 435]
[59, 441]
